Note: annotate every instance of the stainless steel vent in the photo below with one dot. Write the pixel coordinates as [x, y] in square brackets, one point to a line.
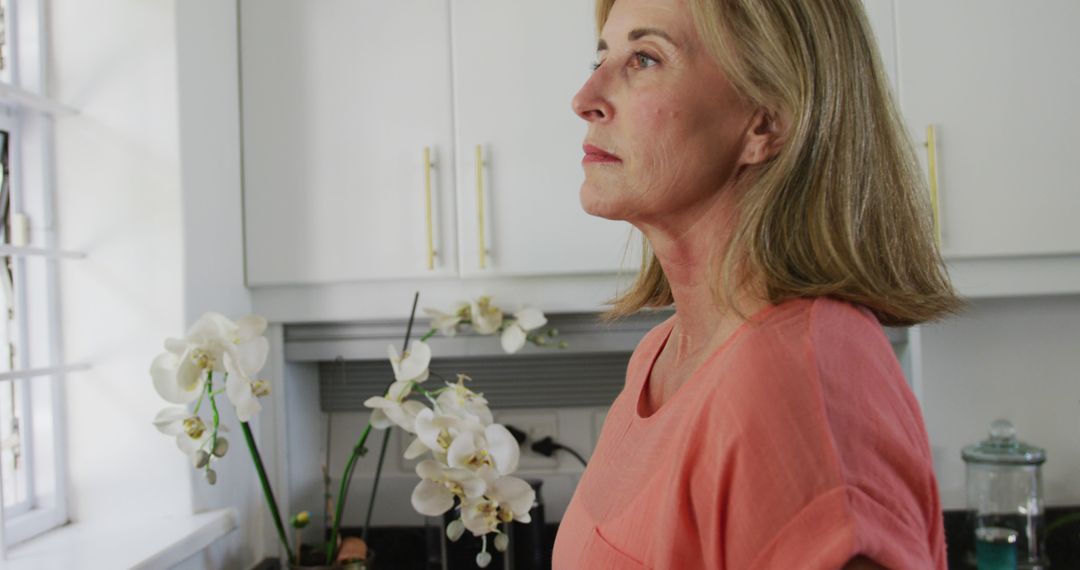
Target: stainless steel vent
[552, 380]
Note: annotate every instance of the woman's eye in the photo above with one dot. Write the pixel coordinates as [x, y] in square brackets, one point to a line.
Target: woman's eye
[644, 60]
[595, 65]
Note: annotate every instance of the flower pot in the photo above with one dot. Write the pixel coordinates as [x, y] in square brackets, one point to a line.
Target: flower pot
[314, 561]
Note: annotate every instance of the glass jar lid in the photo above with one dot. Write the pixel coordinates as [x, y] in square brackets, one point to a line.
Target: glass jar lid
[1003, 448]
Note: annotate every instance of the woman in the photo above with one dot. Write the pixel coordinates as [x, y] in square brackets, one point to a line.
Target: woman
[767, 423]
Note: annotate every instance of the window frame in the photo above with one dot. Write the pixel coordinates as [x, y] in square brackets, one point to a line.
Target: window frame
[27, 116]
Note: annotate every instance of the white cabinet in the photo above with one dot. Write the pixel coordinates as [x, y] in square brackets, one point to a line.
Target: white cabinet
[340, 99]
[517, 65]
[999, 82]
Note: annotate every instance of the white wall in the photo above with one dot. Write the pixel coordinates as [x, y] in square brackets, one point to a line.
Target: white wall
[149, 187]
[119, 200]
[1010, 358]
[209, 116]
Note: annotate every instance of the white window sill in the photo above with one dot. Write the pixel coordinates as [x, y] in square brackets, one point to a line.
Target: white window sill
[156, 543]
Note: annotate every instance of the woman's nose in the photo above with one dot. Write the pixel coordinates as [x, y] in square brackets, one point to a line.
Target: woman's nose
[589, 102]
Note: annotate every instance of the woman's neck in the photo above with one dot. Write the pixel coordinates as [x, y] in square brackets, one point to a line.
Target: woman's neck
[687, 247]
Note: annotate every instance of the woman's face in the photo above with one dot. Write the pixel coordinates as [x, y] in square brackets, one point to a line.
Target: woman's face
[660, 104]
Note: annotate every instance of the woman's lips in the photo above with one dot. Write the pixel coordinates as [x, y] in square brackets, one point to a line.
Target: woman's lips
[597, 154]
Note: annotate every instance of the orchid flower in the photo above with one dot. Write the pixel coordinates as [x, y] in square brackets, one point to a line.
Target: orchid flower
[191, 433]
[243, 391]
[435, 493]
[486, 318]
[464, 403]
[494, 447]
[514, 334]
[437, 432]
[412, 366]
[393, 410]
[179, 374]
[506, 499]
[447, 323]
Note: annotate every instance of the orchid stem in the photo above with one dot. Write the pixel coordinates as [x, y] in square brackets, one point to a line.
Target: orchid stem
[217, 420]
[358, 450]
[267, 491]
[375, 486]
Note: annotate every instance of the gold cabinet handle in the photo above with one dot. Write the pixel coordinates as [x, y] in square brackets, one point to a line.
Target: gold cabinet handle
[427, 209]
[480, 205]
[932, 175]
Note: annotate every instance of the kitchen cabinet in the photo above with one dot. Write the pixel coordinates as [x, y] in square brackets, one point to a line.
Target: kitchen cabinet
[517, 65]
[998, 81]
[340, 99]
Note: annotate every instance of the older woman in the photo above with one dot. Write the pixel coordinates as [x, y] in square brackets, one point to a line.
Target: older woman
[767, 423]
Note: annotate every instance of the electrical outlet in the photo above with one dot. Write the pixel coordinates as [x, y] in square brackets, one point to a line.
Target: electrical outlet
[537, 425]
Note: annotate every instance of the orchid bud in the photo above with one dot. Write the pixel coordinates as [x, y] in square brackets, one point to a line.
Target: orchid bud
[483, 559]
[455, 529]
[211, 476]
[200, 459]
[300, 519]
[501, 542]
[221, 447]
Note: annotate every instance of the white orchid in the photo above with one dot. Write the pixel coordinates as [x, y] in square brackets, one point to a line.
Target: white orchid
[393, 409]
[446, 323]
[435, 493]
[179, 375]
[462, 402]
[515, 333]
[506, 499]
[436, 433]
[486, 318]
[494, 447]
[412, 366]
[242, 390]
[191, 432]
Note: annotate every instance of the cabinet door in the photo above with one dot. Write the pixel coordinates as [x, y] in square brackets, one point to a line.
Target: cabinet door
[340, 98]
[999, 81]
[517, 65]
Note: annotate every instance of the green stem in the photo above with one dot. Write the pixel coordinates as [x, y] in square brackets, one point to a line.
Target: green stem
[428, 335]
[267, 491]
[202, 396]
[375, 485]
[217, 420]
[358, 450]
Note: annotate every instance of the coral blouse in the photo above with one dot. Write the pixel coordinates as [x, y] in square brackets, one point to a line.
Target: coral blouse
[797, 444]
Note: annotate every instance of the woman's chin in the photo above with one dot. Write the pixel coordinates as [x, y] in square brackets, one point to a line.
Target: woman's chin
[601, 204]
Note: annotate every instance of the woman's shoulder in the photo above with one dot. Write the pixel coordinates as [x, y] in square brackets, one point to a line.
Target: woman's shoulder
[822, 324]
[802, 347]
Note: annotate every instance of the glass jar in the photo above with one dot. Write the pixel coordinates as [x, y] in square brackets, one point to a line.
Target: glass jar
[1004, 491]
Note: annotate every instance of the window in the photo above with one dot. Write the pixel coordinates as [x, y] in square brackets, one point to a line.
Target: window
[32, 493]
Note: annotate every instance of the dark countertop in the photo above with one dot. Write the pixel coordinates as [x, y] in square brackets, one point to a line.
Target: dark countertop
[418, 547]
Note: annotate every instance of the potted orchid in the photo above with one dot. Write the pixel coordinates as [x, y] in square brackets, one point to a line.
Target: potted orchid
[469, 459]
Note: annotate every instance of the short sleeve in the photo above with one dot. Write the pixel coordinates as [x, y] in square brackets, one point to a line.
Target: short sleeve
[816, 477]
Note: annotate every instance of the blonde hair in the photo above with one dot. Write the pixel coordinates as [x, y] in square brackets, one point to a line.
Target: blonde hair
[842, 210]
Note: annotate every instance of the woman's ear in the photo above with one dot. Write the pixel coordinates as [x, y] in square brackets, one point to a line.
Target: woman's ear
[764, 138]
